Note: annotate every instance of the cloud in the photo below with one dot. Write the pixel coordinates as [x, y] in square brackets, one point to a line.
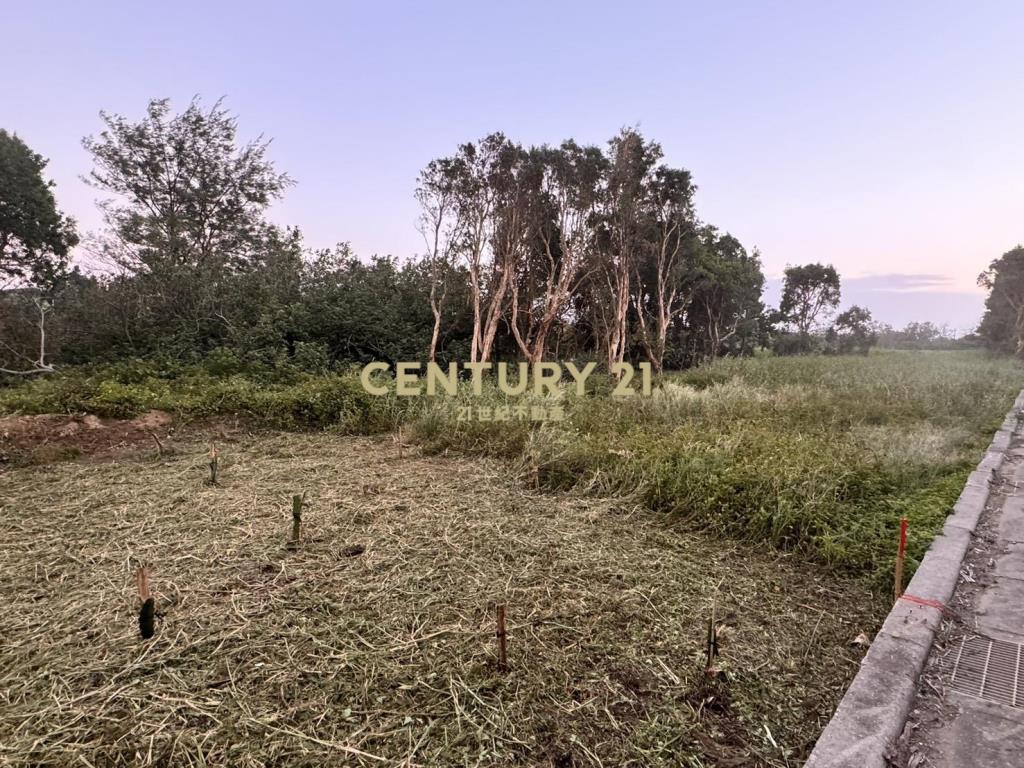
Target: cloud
[900, 283]
[898, 299]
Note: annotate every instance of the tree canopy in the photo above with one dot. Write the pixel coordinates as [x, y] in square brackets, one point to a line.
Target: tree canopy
[810, 293]
[35, 238]
[1003, 323]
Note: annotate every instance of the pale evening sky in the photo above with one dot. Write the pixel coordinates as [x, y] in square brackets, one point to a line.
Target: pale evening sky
[884, 138]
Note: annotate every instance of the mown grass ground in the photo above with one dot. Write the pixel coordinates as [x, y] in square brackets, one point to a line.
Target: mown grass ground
[373, 643]
[771, 487]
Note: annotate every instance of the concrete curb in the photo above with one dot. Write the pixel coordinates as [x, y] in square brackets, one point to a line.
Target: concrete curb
[871, 716]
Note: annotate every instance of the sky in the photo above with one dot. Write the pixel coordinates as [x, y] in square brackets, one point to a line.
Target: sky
[883, 138]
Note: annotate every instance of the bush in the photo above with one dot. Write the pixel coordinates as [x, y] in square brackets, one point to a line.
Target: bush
[291, 400]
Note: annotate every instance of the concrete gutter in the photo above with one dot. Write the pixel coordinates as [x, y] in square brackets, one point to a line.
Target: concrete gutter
[870, 718]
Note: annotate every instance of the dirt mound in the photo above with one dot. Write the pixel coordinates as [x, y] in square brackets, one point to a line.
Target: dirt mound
[48, 438]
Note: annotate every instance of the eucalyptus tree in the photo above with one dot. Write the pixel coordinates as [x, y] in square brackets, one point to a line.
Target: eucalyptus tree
[621, 237]
[443, 231]
[670, 244]
[568, 185]
[515, 182]
[469, 177]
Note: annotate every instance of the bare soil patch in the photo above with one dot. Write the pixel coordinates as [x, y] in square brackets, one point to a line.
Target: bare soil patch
[372, 643]
[54, 437]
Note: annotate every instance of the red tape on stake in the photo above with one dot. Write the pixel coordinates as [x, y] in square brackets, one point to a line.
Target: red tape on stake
[927, 603]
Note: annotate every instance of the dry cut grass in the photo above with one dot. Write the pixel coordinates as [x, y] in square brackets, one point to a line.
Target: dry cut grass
[373, 642]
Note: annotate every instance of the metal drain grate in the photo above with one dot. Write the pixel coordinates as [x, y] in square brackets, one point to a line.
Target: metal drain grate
[989, 669]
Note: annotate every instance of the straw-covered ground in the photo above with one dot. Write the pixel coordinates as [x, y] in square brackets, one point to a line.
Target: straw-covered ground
[373, 642]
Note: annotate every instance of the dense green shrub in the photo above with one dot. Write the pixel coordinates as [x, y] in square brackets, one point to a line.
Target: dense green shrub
[286, 398]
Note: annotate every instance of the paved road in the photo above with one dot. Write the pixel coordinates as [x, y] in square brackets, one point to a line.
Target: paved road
[969, 712]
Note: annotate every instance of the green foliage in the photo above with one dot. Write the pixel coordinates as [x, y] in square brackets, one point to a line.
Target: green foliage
[852, 332]
[200, 266]
[1002, 327]
[190, 197]
[809, 292]
[725, 314]
[34, 237]
[364, 311]
[924, 335]
[530, 250]
[817, 454]
[284, 398]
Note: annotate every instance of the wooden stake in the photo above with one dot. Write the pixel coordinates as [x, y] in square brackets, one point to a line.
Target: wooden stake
[712, 649]
[213, 464]
[159, 445]
[297, 518]
[901, 553]
[502, 639]
[142, 582]
[147, 614]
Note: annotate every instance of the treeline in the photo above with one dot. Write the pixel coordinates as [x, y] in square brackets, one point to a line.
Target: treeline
[925, 335]
[530, 252]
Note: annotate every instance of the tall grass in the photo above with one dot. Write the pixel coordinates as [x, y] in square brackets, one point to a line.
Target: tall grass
[821, 455]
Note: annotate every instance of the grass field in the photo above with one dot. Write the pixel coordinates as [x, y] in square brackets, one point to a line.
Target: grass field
[821, 455]
[321, 656]
[770, 488]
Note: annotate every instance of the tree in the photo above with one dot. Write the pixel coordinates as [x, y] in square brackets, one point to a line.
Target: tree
[658, 296]
[188, 217]
[35, 238]
[515, 185]
[365, 311]
[190, 196]
[854, 331]
[631, 163]
[809, 292]
[1002, 326]
[479, 178]
[725, 310]
[571, 250]
[443, 230]
[562, 236]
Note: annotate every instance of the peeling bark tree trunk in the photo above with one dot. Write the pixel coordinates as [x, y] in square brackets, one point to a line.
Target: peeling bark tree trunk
[619, 289]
